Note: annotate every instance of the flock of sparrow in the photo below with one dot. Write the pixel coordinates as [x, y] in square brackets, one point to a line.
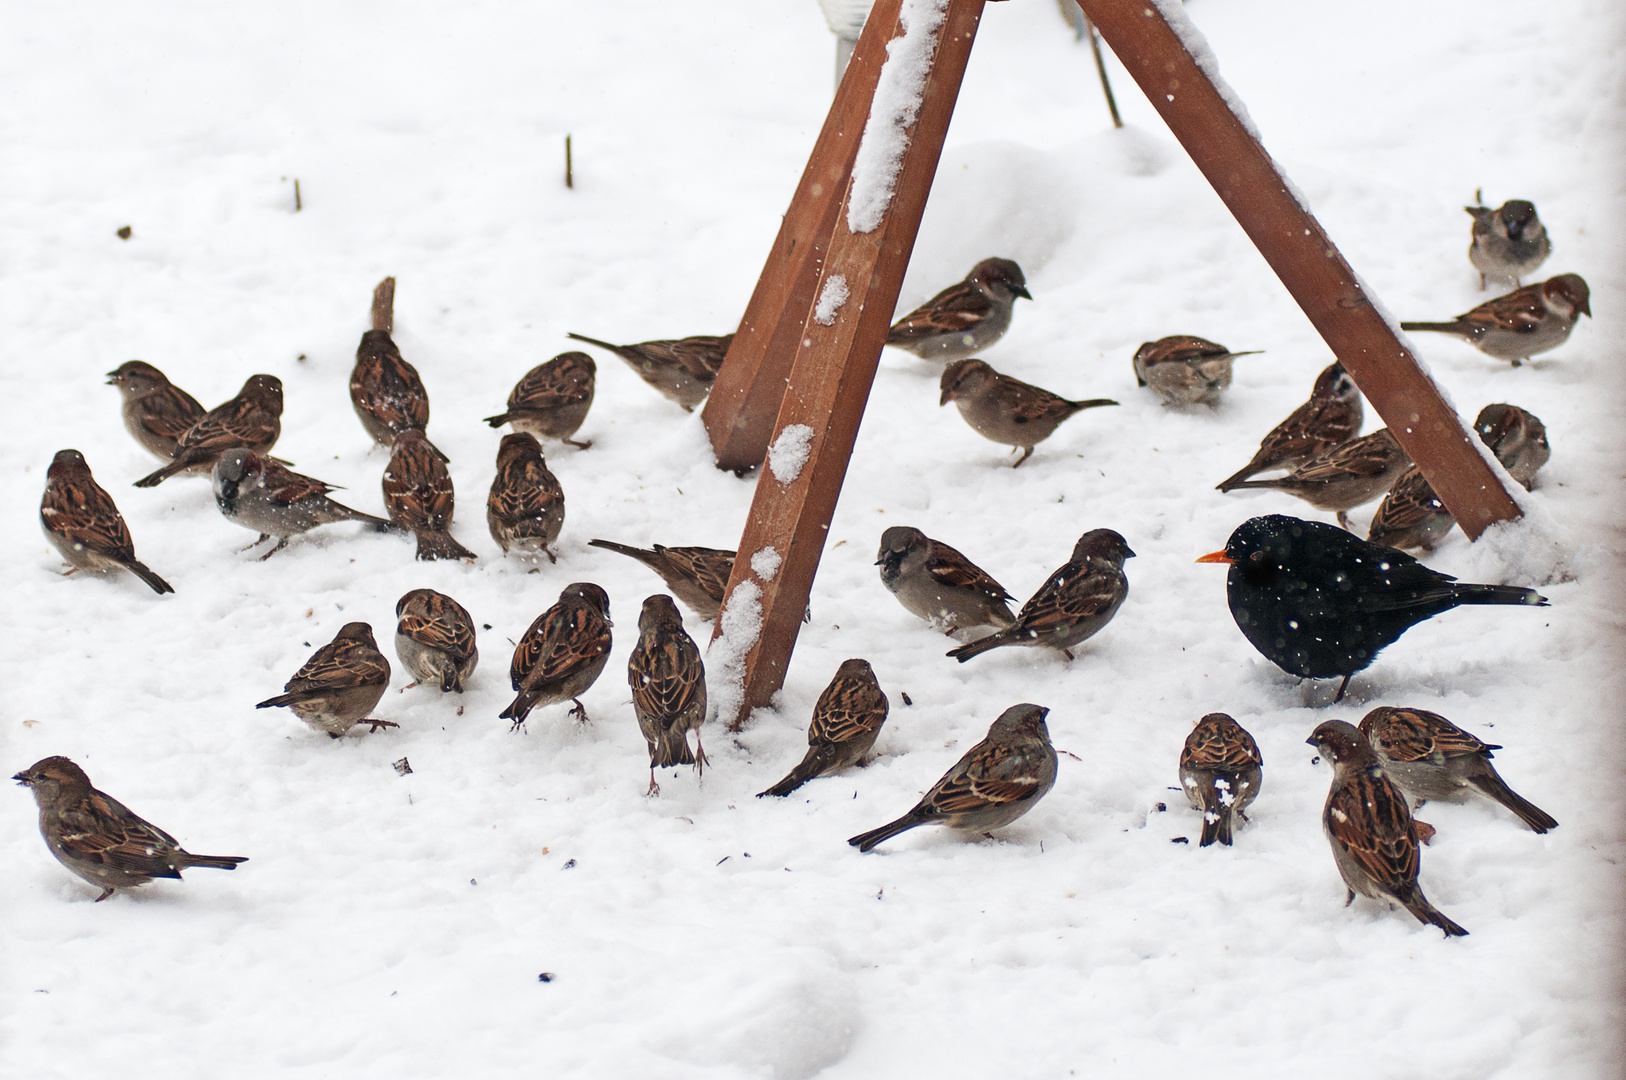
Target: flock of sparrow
[1314, 599]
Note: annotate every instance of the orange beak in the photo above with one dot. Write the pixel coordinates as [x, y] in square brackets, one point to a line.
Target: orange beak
[1218, 556]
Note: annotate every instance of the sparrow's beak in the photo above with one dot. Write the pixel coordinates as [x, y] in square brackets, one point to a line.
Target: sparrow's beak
[1586, 307]
[1021, 290]
[947, 396]
[21, 780]
[1218, 556]
[112, 378]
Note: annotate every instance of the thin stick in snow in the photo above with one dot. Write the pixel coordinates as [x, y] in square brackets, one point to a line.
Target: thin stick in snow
[570, 172]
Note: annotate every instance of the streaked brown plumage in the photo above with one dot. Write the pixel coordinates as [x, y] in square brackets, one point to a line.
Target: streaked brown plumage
[252, 419]
[1345, 476]
[1523, 323]
[82, 523]
[1332, 415]
[1006, 410]
[156, 411]
[418, 495]
[696, 575]
[1517, 438]
[552, 400]
[1220, 772]
[935, 582]
[965, 318]
[258, 493]
[681, 369]
[526, 507]
[846, 722]
[434, 637]
[564, 652]
[387, 392]
[339, 685]
[1185, 369]
[1410, 515]
[668, 682]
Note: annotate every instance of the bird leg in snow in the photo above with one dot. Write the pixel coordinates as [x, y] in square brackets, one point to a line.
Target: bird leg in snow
[1336, 698]
[105, 894]
[579, 711]
[654, 788]
[1343, 520]
[374, 725]
[1027, 452]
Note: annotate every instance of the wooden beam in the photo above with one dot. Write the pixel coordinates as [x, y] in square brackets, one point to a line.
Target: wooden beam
[832, 366]
[1306, 260]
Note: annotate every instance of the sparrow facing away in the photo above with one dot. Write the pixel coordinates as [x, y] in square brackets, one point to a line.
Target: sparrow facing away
[1509, 242]
[1344, 476]
[668, 684]
[387, 392]
[526, 507]
[156, 411]
[1220, 772]
[696, 575]
[339, 685]
[564, 652]
[258, 493]
[1332, 415]
[996, 782]
[84, 526]
[846, 721]
[1411, 515]
[1523, 323]
[418, 495]
[253, 419]
[682, 369]
[965, 318]
[1517, 438]
[435, 640]
[1185, 370]
[1429, 757]
[935, 582]
[1367, 822]
[1074, 602]
[98, 838]
[552, 400]
[1006, 410]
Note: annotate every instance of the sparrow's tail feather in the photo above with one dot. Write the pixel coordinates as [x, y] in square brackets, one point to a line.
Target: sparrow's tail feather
[866, 841]
[158, 476]
[497, 421]
[278, 702]
[1091, 403]
[1528, 812]
[809, 767]
[154, 582]
[378, 523]
[440, 545]
[519, 708]
[1216, 826]
[980, 646]
[1233, 484]
[617, 349]
[1425, 912]
[1437, 327]
[450, 679]
[217, 862]
[1236, 479]
[1497, 594]
[671, 750]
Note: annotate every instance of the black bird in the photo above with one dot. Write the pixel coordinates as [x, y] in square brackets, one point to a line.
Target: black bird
[1319, 602]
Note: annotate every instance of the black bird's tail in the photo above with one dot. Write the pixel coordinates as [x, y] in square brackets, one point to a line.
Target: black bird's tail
[1492, 786]
[1497, 594]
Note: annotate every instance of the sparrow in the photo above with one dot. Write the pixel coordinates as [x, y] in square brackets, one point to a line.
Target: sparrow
[1429, 757]
[846, 721]
[387, 392]
[258, 493]
[339, 685]
[1517, 438]
[682, 370]
[552, 400]
[435, 640]
[935, 582]
[565, 651]
[1523, 323]
[965, 318]
[253, 419]
[156, 411]
[84, 526]
[526, 507]
[98, 838]
[1185, 370]
[1073, 604]
[1006, 410]
[1411, 515]
[1320, 603]
[1220, 772]
[418, 495]
[668, 684]
[996, 782]
[1344, 476]
[1509, 242]
[1332, 415]
[696, 575]
[1373, 837]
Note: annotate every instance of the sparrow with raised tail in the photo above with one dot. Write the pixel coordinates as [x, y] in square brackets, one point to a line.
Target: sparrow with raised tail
[1411, 515]
[434, 638]
[965, 318]
[156, 411]
[1370, 827]
[253, 419]
[996, 782]
[668, 684]
[1220, 772]
[1432, 758]
[84, 526]
[696, 575]
[1006, 410]
[1320, 603]
[258, 493]
[935, 582]
[682, 369]
[1523, 323]
[1185, 370]
[387, 392]
[1509, 242]
[846, 721]
[101, 840]
[1517, 438]
[1345, 476]
[339, 685]
[418, 495]
[552, 400]
[526, 507]
[1073, 604]
[1332, 415]
[564, 652]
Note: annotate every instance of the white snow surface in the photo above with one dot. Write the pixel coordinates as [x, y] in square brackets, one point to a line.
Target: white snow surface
[390, 925]
[789, 451]
[831, 297]
[891, 112]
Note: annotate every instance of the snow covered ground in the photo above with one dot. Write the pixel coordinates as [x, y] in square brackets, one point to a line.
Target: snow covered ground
[397, 926]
